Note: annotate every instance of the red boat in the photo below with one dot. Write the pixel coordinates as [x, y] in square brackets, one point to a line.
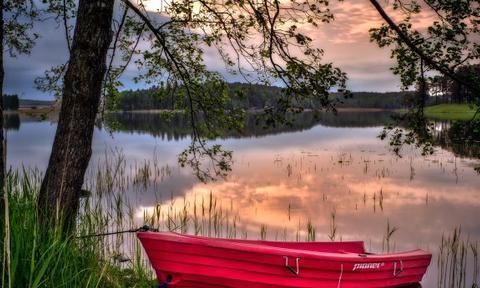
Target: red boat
[200, 262]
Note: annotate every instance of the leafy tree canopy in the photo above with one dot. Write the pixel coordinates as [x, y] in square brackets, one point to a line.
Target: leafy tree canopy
[445, 43]
[262, 41]
[447, 39]
[265, 42]
[18, 20]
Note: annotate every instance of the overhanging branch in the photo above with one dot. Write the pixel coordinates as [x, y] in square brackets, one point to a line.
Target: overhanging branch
[429, 61]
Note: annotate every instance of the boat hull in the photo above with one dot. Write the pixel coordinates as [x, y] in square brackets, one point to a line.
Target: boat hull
[198, 262]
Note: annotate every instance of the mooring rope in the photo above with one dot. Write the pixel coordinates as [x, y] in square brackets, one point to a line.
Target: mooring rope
[144, 228]
[340, 277]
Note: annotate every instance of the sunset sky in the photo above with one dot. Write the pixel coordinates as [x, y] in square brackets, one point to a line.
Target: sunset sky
[346, 42]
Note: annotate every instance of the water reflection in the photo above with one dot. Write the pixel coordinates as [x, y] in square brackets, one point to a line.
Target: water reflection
[12, 121]
[462, 138]
[289, 178]
[447, 134]
[177, 127]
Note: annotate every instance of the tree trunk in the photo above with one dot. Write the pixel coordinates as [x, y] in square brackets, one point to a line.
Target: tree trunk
[5, 240]
[61, 187]
[422, 91]
[2, 76]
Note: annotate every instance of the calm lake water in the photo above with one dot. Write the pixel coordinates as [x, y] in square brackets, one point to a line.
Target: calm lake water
[330, 171]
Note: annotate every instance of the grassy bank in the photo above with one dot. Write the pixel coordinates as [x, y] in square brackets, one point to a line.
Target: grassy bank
[48, 259]
[451, 112]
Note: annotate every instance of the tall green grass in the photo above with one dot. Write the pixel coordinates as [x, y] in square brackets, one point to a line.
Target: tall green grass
[40, 258]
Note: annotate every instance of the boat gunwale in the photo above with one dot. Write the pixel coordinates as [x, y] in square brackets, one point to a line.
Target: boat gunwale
[273, 250]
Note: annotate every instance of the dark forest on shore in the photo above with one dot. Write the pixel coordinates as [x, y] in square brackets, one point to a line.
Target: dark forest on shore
[254, 96]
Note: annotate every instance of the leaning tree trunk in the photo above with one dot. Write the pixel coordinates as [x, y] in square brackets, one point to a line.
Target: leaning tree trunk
[2, 76]
[422, 93]
[5, 239]
[61, 187]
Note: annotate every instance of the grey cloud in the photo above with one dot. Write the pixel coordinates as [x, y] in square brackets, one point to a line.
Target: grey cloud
[345, 41]
[21, 71]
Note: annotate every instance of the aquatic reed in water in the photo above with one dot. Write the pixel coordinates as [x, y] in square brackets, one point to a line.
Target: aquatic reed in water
[453, 260]
[388, 237]
[311, 233]
[333, 227]
[263, 232]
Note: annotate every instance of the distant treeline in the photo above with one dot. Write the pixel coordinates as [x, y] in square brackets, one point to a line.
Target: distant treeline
[33, 104]
[445, 90]
[255, 96]
[10, 102]
[385, 100]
